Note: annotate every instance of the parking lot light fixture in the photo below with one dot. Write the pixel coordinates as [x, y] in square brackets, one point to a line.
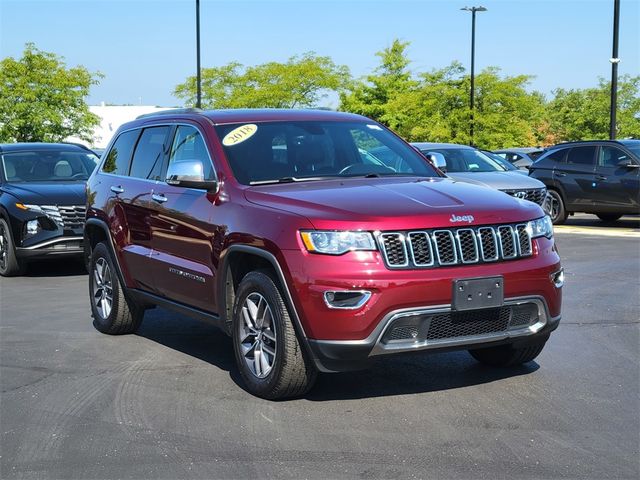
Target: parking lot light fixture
[473, 11]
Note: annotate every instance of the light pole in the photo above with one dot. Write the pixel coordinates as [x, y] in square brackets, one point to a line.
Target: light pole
[614, 70]
[473, 11]
[198, 76]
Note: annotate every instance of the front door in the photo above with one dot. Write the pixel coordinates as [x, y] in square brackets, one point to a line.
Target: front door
[575, 176]
[182, 234]
[617, 187]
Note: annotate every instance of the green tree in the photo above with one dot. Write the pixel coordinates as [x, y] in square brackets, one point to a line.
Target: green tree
[302, 81]
[43, 100]
[583, 114]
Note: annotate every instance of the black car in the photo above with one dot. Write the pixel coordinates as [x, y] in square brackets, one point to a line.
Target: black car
[42, 201]
[600, 177]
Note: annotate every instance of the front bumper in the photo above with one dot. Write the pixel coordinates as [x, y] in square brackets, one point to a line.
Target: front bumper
[344, 355]
[60, 246]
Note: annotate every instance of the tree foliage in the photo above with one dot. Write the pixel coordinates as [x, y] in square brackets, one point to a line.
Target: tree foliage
[302, 81]
[43, 100]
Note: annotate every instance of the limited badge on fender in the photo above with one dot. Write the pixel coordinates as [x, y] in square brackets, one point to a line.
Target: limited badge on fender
[239, 135]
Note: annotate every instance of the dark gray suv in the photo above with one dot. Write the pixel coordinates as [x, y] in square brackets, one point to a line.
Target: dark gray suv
[600, 177]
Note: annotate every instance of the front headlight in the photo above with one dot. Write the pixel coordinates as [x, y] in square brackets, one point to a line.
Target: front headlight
[337, 243]
[541, 227]
[32, 208]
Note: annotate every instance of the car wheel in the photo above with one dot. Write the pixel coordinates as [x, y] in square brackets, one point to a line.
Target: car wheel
[113, 313]
[555, 207]
[268, 354]
[9, 264]
[609, 217]
[507, 355]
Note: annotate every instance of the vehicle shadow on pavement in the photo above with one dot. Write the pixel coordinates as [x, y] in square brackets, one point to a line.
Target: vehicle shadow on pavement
[415, 373]
[55, 268]
[189, 336]
[628, 221]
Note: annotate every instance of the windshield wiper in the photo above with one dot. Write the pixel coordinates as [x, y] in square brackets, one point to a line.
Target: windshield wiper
[288, 180]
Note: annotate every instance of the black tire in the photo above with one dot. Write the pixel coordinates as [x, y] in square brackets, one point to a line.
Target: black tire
[507, 355]
[557, 210]
[10, 265]
[124, 315]
[288, 373]
[608, 217]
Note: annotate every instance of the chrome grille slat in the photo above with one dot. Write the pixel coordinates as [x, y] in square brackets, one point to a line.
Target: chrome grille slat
[455, 246]
[535, 195]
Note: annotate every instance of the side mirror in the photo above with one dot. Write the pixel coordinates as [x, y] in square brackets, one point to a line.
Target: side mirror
[627, 163]
[189, 174]
[438, 160]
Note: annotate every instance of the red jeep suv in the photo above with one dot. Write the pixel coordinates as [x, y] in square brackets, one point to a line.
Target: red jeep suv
[284, 230]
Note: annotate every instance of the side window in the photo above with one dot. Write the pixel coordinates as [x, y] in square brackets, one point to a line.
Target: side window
[188, 145]
[581, 156]
[611, 156]
[147, 159]
[118, 158]
[557, 155]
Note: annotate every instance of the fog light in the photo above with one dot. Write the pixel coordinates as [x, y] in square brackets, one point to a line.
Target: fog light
[557, 278]
[347, 299]
[33, 227]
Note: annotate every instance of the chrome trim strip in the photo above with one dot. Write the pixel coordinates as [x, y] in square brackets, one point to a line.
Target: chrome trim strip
[51, 242]
[366, 295]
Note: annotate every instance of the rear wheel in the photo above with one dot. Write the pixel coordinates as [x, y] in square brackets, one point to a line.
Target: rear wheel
[268, 353]
[112, 312]
[609, 217]
[9, 263]
[507, 355]
[555, 207]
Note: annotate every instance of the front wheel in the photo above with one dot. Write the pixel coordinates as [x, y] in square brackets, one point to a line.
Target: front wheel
[9, 263]
[268, 353]
[555, 207]
[113, 313]
[609, 217]
[507, 355]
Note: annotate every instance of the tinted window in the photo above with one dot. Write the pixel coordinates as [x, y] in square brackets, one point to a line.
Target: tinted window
[189, 145]
[534, 155]
[557, 155]
[118, 158]
[633, 145]
[48, 166]
[581, 155]
[291, 150]
[147, 159]
[611, 156]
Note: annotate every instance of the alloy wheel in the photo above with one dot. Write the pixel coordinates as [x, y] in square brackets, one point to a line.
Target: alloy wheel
[553, 206]
[257, 335]
[102, 288]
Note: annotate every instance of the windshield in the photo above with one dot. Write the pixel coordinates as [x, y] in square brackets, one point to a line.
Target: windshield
[48, 166]
[468, 160]
[502, 161]
[295, 151]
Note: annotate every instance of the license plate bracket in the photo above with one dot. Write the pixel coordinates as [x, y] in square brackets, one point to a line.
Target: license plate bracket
[477, 293]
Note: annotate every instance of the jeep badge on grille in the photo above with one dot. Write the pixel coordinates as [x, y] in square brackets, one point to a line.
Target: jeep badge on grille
[461, 218]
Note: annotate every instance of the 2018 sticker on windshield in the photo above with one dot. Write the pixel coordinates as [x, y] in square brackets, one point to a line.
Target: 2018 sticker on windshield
[239, 135]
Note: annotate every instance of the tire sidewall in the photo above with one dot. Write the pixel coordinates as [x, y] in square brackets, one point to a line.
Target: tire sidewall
[258, 282]
[562, 215]
[12, 264]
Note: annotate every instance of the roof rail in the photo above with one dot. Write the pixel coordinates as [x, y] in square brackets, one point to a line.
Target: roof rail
[172, 111]
[77, 144]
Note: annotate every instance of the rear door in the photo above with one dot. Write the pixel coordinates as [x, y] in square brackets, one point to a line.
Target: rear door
[182, 234]
[575, 176]
[617, 188]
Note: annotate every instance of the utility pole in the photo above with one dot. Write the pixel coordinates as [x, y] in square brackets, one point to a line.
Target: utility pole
[614, 70]
[473, 11]
[198, 74]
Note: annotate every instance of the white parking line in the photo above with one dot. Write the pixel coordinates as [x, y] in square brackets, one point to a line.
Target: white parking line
[597, 231]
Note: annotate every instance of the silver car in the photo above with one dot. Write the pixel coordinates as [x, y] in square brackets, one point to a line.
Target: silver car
[469, 165]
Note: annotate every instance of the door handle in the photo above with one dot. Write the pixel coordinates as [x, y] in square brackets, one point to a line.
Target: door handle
[160, 198]
[560, 174]
[600, 177]
[117, 189]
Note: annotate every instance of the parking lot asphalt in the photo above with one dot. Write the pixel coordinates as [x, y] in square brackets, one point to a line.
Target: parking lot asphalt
[168, 402]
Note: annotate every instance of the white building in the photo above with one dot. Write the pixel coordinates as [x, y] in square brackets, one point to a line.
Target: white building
[111, 117]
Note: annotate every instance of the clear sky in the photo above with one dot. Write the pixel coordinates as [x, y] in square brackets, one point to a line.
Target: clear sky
[146, 47]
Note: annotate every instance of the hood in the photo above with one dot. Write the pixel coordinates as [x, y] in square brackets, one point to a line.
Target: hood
[49, 193]
[511, 180]
[393, 203]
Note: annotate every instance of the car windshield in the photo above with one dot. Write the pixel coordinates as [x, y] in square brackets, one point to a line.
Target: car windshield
[48, 166]
[467, 160]
[502, 161]
[289, 151]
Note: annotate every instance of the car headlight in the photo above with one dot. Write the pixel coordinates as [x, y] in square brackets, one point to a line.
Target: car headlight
[541, 227]
[337, 243]
[32, 208]
[32, 227]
